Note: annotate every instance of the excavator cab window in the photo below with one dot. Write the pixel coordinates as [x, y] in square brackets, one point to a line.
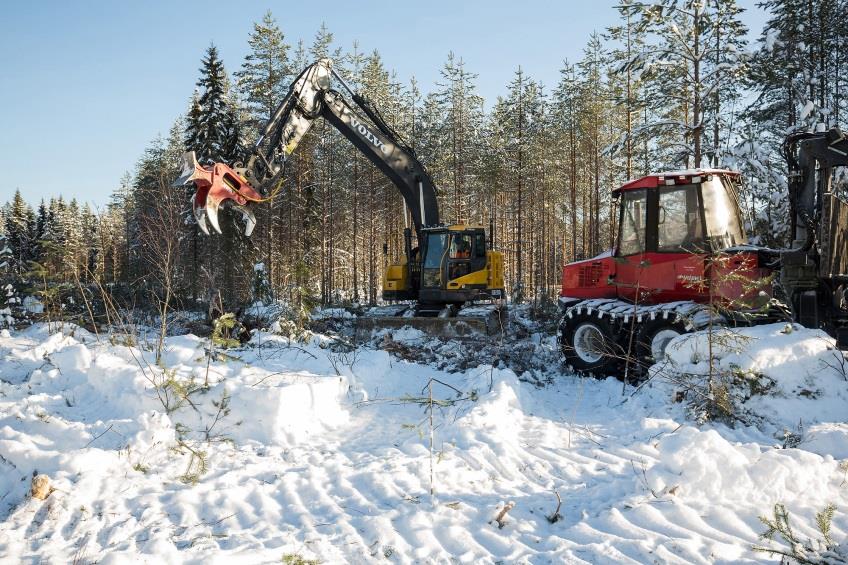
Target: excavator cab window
[460, 255]
[461, 246]
[436, 244]
[480, 245]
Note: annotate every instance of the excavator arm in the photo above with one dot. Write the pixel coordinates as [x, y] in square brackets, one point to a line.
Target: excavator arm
[311, 97]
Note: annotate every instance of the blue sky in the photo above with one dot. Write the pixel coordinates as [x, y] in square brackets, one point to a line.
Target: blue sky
[88, 84]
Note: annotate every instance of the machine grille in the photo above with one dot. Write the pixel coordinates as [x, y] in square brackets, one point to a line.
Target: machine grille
[589, 275]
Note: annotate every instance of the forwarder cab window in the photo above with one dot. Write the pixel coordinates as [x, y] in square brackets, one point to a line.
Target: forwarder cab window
[633, 223]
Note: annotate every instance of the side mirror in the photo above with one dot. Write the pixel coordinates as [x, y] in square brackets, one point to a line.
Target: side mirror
[385, 248]
[661, 215]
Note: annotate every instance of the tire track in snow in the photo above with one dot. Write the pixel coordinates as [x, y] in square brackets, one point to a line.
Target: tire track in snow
[360, 492]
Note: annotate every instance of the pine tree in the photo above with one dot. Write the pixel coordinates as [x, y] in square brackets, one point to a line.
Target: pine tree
[520, 114]
[566, 112]
[263, 82]
[461, 118]
[264, 76]
[594, 115]
[629, 41]
[684, 70]
[375, 89]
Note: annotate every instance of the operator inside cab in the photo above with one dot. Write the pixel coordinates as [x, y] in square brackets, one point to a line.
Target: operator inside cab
[460, 254]
[461, 247]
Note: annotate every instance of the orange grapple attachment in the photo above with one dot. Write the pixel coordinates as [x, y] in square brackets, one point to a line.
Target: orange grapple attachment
[215, 185]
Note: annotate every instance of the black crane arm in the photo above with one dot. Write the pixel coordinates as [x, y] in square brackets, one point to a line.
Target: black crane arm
[309, 98]
[810, 158]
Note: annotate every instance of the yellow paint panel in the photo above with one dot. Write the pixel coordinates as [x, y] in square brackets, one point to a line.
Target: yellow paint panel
[476, 278]
[494, 260]
[396, 277]
[464, 227]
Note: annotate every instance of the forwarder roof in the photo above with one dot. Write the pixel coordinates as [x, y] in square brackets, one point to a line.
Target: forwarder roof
[658, 179]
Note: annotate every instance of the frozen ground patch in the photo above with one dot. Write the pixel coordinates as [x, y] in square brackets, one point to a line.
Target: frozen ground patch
[324, 453]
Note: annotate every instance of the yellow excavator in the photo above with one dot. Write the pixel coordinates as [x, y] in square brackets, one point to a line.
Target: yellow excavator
[447, 269]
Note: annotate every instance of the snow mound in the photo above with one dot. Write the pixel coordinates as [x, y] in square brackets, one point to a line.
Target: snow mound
[287, 413]
[706, 466]
[783, 375]
[75, 357]
[323, 451]
[827, 439]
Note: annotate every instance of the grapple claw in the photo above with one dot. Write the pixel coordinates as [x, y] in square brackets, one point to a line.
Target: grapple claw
[212, 205]
[191, 170]
[215, 185]
[200, 214]
[248, 217]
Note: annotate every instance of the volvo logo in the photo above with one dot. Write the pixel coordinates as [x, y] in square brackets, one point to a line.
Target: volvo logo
[366, 133]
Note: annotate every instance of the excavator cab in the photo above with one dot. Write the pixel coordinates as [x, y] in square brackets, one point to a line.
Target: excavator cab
[454, 265]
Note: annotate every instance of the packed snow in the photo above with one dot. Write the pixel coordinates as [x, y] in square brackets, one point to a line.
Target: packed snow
[310, 449]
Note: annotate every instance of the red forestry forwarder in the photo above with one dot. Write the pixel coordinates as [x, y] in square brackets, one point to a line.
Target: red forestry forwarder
[682, 261]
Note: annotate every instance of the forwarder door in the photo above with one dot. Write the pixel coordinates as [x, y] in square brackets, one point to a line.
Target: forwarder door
[632, 243]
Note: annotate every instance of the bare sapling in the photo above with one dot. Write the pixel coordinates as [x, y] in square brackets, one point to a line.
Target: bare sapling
[160, 227]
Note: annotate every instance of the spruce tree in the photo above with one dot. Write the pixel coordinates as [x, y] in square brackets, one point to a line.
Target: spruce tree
[797, 76]
[194, 127]
[7, 289]
[212, 120]
[20, 233]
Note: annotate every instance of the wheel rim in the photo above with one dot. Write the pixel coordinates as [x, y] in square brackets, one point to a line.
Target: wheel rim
[589, 343]
[660, 341]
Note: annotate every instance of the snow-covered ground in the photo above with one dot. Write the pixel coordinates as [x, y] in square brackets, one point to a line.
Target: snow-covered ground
[307, 450]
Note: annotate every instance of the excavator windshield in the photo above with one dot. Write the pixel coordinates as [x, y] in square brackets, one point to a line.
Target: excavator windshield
[436, 244]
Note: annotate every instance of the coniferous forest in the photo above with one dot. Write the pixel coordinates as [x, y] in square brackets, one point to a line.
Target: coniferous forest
[673, 85]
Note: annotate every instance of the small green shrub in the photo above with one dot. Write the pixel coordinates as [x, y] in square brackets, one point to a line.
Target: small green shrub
[819, 551]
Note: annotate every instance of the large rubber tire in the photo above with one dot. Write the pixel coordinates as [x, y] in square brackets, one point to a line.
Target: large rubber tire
[652, 339]
[590, 344]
